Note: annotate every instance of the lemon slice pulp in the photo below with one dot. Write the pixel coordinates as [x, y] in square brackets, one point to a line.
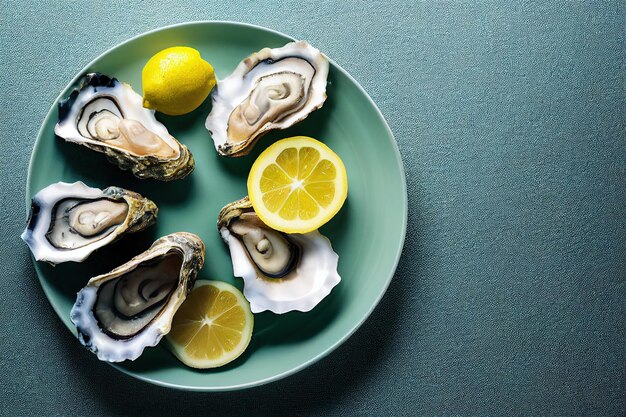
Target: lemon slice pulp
[212, 327]
[297, 185]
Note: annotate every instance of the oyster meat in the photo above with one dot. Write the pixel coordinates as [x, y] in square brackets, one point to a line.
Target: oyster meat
[271, 89]
[68, 222]
[107, 116]
[281, 272]
[120, 313]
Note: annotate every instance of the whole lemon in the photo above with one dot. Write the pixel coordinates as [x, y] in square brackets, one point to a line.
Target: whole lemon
[176, 81]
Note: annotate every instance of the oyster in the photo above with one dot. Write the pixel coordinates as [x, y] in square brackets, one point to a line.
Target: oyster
[107, 116]
[271, 89]
[70, 221]
[281, 272]
[120, 313]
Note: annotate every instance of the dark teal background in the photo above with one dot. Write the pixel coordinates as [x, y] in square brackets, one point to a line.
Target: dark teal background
[510, 297]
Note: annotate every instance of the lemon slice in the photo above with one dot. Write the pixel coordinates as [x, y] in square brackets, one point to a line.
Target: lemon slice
[297, 185]
[212, 327]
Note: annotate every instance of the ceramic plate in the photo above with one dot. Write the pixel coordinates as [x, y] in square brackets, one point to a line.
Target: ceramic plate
[368, 232]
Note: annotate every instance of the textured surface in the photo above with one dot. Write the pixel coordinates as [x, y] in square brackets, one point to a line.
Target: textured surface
[510, 297]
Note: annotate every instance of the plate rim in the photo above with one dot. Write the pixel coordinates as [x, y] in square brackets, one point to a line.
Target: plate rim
[344, 337]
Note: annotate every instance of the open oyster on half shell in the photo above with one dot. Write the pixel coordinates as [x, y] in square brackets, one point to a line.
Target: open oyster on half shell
[68, 222]
[281, 272]
[271, 89]
[120, 313]
[107, 116]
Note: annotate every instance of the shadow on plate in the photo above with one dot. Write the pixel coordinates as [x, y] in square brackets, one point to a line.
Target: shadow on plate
[179, 126]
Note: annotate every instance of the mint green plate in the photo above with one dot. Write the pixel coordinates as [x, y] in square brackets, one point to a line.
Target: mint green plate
[368, 232]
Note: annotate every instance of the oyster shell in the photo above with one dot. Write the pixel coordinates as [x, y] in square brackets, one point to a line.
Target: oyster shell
[281, 272]
[68, 222]
[108, 117]
[120, 313]
[271, 89]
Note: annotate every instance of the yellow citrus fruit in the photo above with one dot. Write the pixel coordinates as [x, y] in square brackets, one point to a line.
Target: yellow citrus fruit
[176, 81]
[297, 185]
[212, 327]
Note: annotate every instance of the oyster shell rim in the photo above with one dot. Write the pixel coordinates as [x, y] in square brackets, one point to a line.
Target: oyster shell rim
[142, 213]
[141, 166]
[193, 250]
[249, 273]
[313, 103]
